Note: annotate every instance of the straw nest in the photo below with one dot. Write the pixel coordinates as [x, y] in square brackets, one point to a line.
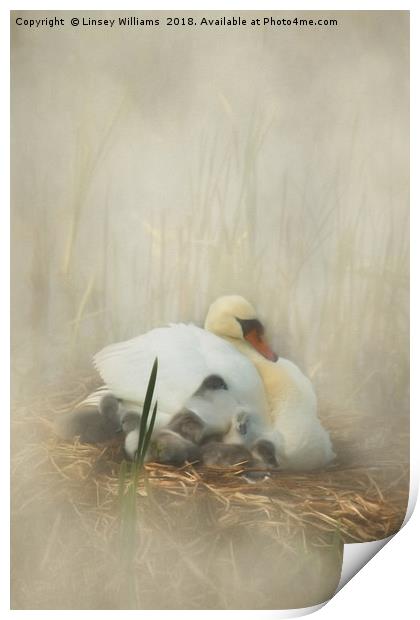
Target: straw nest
[362, 497]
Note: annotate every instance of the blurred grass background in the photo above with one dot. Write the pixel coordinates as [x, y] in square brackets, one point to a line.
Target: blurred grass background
[155, 169]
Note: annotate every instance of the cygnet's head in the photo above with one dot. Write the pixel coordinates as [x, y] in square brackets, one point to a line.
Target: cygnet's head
[246, 428]
[265, 443]
[232, 316]
[188, 425]
[130, 421]
[109, 406]
[211, 384]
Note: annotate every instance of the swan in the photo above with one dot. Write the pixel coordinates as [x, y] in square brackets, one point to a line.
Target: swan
[231, 345]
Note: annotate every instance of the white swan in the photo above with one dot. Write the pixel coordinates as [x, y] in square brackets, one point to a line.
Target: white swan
[232, 346]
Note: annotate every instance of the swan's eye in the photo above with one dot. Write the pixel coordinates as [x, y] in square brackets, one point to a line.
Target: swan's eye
[251, 325]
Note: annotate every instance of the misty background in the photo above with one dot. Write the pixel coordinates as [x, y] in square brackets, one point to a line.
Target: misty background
[156, 168]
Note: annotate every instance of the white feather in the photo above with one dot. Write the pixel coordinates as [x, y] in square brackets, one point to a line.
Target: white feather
[186, 355]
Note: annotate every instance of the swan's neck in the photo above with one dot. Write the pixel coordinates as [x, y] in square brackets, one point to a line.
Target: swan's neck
[244, 347]
[278, 385]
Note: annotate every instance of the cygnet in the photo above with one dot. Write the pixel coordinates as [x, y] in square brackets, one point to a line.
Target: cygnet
[92, 424]
[265, 444]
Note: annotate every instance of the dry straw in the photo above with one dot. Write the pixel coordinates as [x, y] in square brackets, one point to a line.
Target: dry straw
[202, 538]
[363, 496]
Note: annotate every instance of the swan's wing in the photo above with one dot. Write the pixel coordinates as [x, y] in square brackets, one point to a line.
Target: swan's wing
[94, 398]
[185, 356]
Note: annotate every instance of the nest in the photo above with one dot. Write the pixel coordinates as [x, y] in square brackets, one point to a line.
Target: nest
[362, 497]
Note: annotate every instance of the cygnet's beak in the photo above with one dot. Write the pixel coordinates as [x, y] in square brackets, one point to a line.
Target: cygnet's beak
[259, 343]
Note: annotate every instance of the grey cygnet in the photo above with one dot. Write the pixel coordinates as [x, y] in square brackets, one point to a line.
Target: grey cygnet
[91, 424]
[172, 445]
[225, 454]
[169, 448]
[264, 444]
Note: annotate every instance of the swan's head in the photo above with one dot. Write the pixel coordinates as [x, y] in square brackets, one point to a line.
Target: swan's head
[232, 316]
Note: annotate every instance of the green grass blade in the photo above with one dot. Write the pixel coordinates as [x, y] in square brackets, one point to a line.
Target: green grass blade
[146, 410]
[148, 434]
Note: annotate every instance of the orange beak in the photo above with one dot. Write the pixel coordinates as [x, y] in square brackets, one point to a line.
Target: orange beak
[260, 345]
